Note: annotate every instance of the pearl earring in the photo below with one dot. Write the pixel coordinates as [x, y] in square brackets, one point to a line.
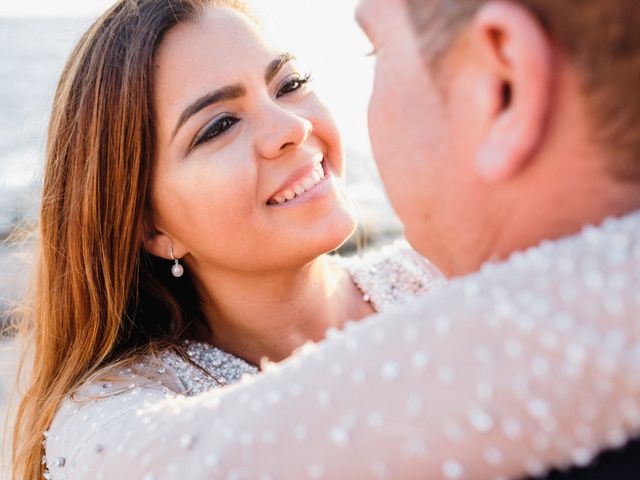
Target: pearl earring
[177, 269]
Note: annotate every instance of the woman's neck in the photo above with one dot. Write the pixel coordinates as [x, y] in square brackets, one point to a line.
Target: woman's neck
[257, 316]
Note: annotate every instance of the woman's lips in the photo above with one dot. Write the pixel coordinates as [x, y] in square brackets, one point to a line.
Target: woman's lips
[301, 181]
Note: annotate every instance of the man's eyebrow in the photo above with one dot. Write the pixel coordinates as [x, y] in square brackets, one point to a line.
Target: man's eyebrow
[275, 66]
[229, 92]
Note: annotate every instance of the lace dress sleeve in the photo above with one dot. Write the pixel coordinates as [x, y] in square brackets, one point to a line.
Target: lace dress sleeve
[530, 364]
[392, 275]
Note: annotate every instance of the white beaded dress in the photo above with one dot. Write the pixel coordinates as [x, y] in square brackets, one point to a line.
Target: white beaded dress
[529, 364]
[385, 277]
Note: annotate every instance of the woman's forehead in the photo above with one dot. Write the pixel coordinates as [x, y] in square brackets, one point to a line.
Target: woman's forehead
[222, 47]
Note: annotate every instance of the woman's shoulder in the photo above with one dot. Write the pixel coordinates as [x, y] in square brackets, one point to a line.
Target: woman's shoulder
[391, 274]
[200, 366]
[98, 405]
[186, 368]
[104, 402]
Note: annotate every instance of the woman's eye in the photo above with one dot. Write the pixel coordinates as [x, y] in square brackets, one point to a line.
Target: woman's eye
[216, 129]
[293, 84]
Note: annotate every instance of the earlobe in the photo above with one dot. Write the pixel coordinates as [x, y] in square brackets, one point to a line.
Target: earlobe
[497, 158]
[516, 50]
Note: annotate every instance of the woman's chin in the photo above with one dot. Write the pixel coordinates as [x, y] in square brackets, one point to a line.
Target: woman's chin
[341, 230]
[338, 242]
[328, 237]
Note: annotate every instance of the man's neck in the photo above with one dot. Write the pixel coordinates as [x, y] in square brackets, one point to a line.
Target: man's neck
[557, 213]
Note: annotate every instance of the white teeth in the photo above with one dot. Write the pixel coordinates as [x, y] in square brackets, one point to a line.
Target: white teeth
[305, 185]
[308, 183]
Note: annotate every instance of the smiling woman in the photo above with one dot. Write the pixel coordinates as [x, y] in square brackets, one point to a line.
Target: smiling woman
[230, 142]
[193, 187]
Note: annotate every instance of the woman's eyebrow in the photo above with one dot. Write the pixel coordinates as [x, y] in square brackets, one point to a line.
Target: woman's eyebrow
[229, 92]
[275, 66]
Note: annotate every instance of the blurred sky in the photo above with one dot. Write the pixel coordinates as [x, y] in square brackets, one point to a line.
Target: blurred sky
[55, 8]
[58, 8]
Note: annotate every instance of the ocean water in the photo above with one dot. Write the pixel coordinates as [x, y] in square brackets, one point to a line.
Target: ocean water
[32, 54]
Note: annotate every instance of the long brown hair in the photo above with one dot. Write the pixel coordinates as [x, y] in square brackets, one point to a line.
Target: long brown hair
[99, 297]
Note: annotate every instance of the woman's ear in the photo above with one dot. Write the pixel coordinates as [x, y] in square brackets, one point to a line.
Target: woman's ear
[517, 55]
[158, 243]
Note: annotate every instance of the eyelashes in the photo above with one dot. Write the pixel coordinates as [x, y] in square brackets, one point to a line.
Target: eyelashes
[293, 83]
[216, 128]
[226, 121]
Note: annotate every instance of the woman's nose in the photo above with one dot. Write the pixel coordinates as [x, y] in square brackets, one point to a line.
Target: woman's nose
[283, 130]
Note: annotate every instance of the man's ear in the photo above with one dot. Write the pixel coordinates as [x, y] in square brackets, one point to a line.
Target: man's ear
[516, 52]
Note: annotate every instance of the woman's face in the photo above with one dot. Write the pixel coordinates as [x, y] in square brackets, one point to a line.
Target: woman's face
[247, 175]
